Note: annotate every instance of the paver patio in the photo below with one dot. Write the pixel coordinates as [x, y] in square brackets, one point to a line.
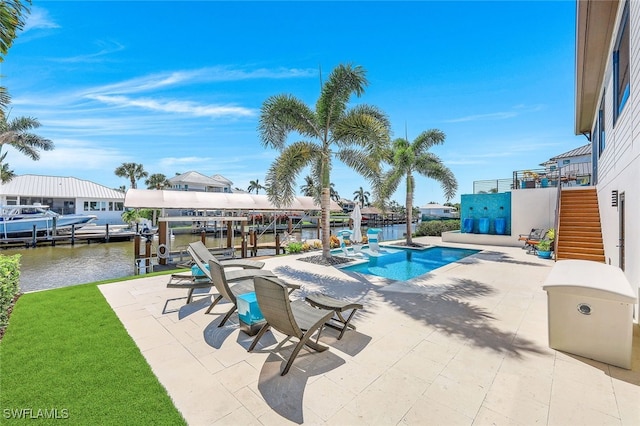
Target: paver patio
[466, 344]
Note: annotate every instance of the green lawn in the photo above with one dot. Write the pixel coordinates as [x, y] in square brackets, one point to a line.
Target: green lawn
[65, 351]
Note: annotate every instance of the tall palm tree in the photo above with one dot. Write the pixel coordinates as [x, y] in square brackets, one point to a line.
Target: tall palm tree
[254, 185]
[352, 136]
[131, 171]
[16, 134]
[408, 158]
[157, 181]
[362, 196]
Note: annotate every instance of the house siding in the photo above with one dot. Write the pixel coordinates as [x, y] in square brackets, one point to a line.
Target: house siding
[619, 164]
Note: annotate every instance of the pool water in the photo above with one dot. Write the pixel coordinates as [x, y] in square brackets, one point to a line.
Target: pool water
[403, 264]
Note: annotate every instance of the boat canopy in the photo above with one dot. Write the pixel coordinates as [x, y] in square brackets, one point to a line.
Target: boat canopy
[167, 199]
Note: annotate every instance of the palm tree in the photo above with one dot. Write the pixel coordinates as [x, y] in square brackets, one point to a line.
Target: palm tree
[408, 158]
[6, 174]
[15, 133]
[353, 136]
[157, 181]
[12, 17]
[131, 171]
[310, 189]
[12, 14]
[254, 185]
[362, 196]
[333, 194]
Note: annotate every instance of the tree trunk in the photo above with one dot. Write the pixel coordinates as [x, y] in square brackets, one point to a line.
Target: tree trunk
[325, 204]
[409, 204]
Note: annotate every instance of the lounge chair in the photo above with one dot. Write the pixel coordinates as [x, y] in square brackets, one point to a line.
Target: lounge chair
[373, 235]
[345, 240]
[219, 278]
[297, 318]
[199, 249]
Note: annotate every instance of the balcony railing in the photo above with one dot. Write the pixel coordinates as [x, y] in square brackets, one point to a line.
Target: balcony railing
[576, 174]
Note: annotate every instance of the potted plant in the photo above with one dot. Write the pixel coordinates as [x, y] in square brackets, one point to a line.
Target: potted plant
[546, 245]
[544, 249]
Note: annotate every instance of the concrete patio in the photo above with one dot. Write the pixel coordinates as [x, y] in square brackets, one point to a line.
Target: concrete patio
[466, 344]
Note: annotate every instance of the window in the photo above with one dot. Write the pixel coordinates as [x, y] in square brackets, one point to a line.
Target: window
[621, 80]
[601, 129]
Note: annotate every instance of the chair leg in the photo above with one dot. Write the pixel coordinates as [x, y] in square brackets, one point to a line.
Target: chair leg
[305, 341]
[263, 330]
[214, 303]
[227, 316]
[346, 323]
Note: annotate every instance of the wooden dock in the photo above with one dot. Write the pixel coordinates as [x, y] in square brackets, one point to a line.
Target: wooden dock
[72, 239]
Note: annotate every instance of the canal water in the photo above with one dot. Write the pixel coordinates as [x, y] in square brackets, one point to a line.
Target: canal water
[47, 267]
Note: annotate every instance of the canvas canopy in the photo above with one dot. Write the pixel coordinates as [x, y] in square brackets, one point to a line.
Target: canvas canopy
[164, 199]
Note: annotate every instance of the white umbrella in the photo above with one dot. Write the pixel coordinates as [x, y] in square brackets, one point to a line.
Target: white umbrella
[357, 218]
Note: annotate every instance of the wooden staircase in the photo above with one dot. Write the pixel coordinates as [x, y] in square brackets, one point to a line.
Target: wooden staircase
[580, 234]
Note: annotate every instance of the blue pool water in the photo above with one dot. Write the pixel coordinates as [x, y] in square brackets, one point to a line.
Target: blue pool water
[403, 264]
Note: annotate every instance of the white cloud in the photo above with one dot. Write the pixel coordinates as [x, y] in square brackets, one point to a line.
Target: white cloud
[502, 115]
[106, 48]
[38, 19]
[183, 107]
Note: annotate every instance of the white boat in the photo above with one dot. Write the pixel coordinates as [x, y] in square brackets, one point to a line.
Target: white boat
[20, 220]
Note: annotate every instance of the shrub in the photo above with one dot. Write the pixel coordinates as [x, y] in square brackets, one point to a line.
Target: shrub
[9, 286]
[317, 244]
[334, 242]
[435, 228]
[306, 247]
[294, 247]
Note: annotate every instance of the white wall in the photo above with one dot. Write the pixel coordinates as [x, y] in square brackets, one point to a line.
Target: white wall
[532, 208]
[619, 163]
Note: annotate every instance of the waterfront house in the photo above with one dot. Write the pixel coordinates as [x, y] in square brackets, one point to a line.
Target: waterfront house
[65, 195]
[607, 97]
[194, 181]
[437, 211]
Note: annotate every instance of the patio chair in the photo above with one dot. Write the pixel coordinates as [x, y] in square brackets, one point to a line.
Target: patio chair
[199, 249]
[295, 319]
[220, 279]
[536, 234]
[532, 243]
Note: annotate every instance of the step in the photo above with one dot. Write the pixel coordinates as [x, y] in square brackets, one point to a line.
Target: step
[580, 256]
[579, 250]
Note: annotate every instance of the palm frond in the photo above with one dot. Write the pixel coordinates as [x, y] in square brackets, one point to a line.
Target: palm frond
[282, 114]
[344, 81]
[427, 139]
[282, 174]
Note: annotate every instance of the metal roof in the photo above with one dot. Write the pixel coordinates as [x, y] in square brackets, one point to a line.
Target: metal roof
[578, 152]
[57, 187]
[199, 178]
[165, 199]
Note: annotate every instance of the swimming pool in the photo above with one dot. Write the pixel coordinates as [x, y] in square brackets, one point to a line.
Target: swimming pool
[403, 264]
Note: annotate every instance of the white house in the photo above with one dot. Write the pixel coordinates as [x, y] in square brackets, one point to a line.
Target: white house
[437, 211]
[65, 195]
[607, 113]
[194, 181]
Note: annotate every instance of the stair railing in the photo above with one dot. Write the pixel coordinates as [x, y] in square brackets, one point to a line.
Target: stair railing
[556, 223]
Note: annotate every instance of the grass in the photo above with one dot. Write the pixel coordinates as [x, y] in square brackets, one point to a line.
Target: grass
[66, 349]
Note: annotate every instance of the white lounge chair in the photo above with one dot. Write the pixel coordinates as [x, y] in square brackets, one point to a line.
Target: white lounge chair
[373, 236]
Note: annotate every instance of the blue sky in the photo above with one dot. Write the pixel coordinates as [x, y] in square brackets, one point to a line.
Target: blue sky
[178, 86]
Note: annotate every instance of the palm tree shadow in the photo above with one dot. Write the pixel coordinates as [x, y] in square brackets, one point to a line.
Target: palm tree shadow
[444, 307]
[285, 394]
